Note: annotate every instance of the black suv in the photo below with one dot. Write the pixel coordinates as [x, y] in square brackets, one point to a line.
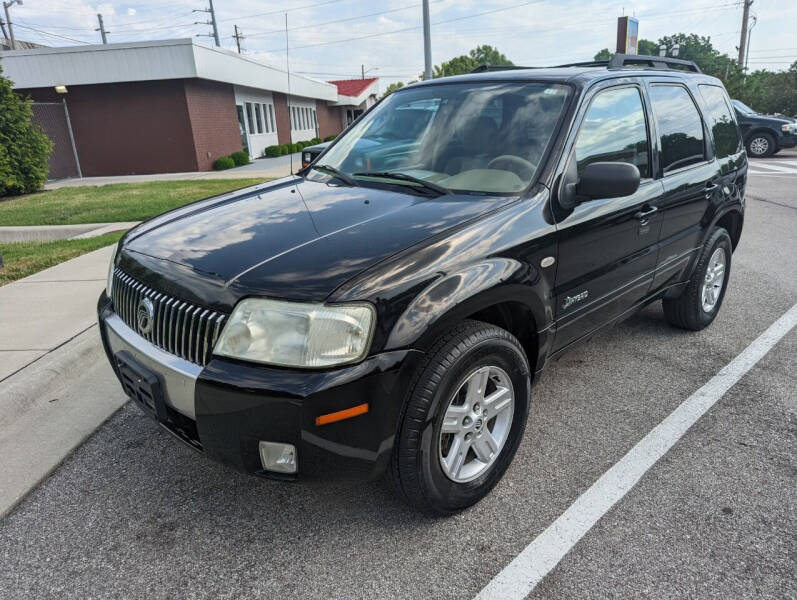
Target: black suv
[764, 135]
[387, 309]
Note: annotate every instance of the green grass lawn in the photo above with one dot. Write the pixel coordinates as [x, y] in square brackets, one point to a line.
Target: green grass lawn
[25, 258]
[111, 203]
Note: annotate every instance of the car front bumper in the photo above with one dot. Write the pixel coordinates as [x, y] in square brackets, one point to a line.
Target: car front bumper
[226, 408]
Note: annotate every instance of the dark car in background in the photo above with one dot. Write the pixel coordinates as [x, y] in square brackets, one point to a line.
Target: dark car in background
[764, 135]
[387, 309]
[310, 153]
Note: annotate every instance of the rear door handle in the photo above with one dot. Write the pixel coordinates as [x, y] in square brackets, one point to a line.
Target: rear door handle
[645, 213]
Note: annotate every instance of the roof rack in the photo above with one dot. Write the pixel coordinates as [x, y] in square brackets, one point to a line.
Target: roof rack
[659, 63]
[494, 68]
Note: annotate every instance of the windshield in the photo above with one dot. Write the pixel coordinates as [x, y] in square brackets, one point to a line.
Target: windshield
[476, 138]
[742, 107]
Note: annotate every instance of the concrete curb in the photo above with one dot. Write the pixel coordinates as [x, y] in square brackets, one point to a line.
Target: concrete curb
[49, 233]
[51, 407]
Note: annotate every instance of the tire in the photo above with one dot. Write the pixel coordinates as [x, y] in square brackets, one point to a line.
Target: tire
[689, 310]
[761, 145]
[463, 354]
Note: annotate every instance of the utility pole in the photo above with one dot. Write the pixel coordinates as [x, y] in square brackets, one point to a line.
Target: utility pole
[362, 71]
[427, 42]
[3, 28]
[101, 29]
[238, 37]
[6, 6]
[212, 22]
[743, 41]
[749, 35]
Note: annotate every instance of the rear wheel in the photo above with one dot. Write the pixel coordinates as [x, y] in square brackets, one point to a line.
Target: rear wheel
[761, 145]
[464, 419]
[700, 302]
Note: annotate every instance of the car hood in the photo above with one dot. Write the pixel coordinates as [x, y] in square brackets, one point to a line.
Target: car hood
[293, 238]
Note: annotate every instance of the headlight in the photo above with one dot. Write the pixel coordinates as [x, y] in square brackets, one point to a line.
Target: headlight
[296, 334]
[111, 265]
[789, 127]
[306, 157]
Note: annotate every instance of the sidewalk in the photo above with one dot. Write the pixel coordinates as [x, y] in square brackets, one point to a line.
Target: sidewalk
[41, 312]
[56, 386]
[261, 167]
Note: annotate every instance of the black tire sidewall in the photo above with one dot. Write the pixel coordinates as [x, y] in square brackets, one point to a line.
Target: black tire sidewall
[720, 238]
[441, 492]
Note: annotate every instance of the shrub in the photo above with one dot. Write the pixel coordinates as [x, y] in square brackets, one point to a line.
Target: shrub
[273, 151]
[240, 158]
[293, 148]
[329, 138]
[315, 141]
[24, 148]
[223, 162]
[285, 149]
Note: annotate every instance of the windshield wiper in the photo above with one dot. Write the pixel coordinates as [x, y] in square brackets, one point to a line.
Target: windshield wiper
[337, 173]
[438, 189]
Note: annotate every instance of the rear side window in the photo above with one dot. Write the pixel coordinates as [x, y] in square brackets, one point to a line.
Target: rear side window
[680, 127]
[720, 115]
[614, 130]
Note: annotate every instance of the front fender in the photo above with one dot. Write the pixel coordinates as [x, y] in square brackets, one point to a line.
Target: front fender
[457, 295]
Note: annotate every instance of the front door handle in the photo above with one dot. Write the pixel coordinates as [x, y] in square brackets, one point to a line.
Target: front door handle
[710, 188]
[644, 214]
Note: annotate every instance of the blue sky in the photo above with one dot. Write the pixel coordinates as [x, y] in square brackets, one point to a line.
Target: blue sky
[330, 39]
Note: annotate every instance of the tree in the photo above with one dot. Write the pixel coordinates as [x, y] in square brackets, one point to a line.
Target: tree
[603, 55]
[643, 47]
[24, 148]
[393, 87]
[460, 65]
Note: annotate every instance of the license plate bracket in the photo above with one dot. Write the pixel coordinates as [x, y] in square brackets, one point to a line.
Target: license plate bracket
[142, 385]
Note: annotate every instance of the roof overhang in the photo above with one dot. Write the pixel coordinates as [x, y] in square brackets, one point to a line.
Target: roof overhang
[148, 61]
[371, 90]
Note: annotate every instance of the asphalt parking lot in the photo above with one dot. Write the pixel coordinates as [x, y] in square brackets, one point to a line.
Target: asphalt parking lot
[132, 514]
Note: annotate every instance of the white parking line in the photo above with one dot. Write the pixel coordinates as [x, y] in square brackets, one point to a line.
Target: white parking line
[528, 568]
[772, 167]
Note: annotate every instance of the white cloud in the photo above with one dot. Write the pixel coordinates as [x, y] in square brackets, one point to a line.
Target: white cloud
[131, 12]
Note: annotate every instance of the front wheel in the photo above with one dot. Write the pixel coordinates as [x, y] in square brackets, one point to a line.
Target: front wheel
[464, 419]
[761, 145]
[700, 302]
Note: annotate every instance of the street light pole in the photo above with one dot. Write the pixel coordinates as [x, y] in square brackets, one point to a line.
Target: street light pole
[6, 6]
[427, 42]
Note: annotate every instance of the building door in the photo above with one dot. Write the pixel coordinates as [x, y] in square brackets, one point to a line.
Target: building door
[242, 128]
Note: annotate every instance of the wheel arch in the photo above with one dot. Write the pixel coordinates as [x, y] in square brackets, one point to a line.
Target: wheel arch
[493, 291]
[732, 221]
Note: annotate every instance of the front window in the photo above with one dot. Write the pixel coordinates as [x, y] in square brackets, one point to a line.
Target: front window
[472, 138]
[742, 107]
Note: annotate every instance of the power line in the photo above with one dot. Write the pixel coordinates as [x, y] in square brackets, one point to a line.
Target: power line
[285, 10]
[321, 24]
[412, 28]
[63, 37]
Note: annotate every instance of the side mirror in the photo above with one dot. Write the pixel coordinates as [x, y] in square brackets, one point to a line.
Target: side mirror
[608, 180]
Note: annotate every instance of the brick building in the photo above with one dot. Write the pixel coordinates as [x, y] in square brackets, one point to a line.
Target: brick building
[171, 105]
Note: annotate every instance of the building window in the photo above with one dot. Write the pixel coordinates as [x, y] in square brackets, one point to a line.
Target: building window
[294, 124]
[258, 119]
[249, 118]
[315, 119]
[271, 117]
[304, 118]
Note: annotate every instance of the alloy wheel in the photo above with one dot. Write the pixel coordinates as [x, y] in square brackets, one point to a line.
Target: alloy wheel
[759, 146]
[713, 280]
[476, 424]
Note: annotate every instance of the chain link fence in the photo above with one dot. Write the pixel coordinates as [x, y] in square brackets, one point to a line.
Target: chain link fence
[53, 117]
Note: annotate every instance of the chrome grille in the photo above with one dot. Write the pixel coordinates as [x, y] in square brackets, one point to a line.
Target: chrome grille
[181, 328]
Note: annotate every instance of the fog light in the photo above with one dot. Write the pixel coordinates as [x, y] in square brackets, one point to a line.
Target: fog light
[280, 458]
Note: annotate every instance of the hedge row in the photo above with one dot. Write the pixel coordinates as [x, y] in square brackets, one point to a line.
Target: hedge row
[236, 159]
[284, 149]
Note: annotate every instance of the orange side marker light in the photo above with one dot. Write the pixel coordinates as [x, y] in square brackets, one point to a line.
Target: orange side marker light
[347, 413]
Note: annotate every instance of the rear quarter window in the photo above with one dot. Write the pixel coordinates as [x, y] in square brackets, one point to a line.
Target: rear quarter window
[726, 136]
[680, 127]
